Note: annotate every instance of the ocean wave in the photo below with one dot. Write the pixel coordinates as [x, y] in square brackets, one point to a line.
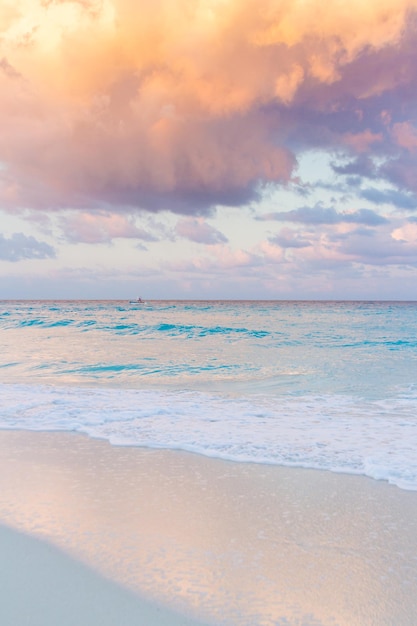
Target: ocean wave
[134, 328]
[329, 432]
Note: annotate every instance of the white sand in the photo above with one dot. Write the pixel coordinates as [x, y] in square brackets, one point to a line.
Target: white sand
[228, 543]
[41, 586]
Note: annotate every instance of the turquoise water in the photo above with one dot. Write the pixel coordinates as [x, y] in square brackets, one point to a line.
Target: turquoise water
[330, 385]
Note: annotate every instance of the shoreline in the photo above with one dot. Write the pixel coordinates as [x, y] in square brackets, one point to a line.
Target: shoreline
[221, 542]
[331, 433]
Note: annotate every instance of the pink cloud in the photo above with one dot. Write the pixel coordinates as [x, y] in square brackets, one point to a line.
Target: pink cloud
[361, 142]
[127, 104]
[101, 228]
[405, 135]
[198, 230]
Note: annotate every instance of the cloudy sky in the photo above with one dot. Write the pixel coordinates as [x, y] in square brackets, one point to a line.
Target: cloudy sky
[208, 149]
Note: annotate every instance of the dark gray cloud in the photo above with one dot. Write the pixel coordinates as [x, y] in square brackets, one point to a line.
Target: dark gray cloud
[319, 215]
[19, 247]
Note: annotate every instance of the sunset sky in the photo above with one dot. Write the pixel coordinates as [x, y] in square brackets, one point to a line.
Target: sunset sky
[208, 149]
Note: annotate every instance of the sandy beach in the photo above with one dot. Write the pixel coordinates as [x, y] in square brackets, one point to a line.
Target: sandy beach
[42, 586]
[136, 536]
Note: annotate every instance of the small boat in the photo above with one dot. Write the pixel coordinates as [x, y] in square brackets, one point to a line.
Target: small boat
[137, 301]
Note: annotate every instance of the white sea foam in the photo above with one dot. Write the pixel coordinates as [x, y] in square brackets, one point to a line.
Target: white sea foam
[333, 432]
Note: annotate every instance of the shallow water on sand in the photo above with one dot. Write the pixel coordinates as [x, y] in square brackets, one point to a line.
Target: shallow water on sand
[230, 543]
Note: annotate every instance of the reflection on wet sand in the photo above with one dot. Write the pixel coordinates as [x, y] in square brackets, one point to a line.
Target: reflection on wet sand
[237, 544]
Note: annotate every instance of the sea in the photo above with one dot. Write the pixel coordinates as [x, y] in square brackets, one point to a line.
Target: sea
[323, 385]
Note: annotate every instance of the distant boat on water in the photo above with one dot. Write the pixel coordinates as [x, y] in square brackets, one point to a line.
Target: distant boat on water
[137, 301]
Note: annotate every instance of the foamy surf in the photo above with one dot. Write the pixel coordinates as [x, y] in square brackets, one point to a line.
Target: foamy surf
[336, 433]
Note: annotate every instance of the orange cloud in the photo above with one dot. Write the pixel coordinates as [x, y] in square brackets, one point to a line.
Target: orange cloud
[168, 104]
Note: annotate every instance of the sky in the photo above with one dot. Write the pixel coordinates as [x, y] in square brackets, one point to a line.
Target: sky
[193, 149]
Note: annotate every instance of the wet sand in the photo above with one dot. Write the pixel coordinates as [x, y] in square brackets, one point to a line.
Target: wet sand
[220, 542]
[42, 586]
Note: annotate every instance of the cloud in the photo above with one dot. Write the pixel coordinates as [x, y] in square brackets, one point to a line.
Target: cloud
[217, 260]
[321, 215]
[344, 234]
[405, 135]
[288, 238]
[182, 106]
[389, 196]
[401, 171]
[8, 69]
[81, 227]
[363, 167]
[197, 230]
[363, 246]
[19, 247]
[406, 233]
[389, 250]
[361, 142]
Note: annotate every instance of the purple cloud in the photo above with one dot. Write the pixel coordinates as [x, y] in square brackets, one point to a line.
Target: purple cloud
[101, 227]
[19, 247]
[288, 238]
[319, 215]
[391, 196]
[199, 231]
[362, 167]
